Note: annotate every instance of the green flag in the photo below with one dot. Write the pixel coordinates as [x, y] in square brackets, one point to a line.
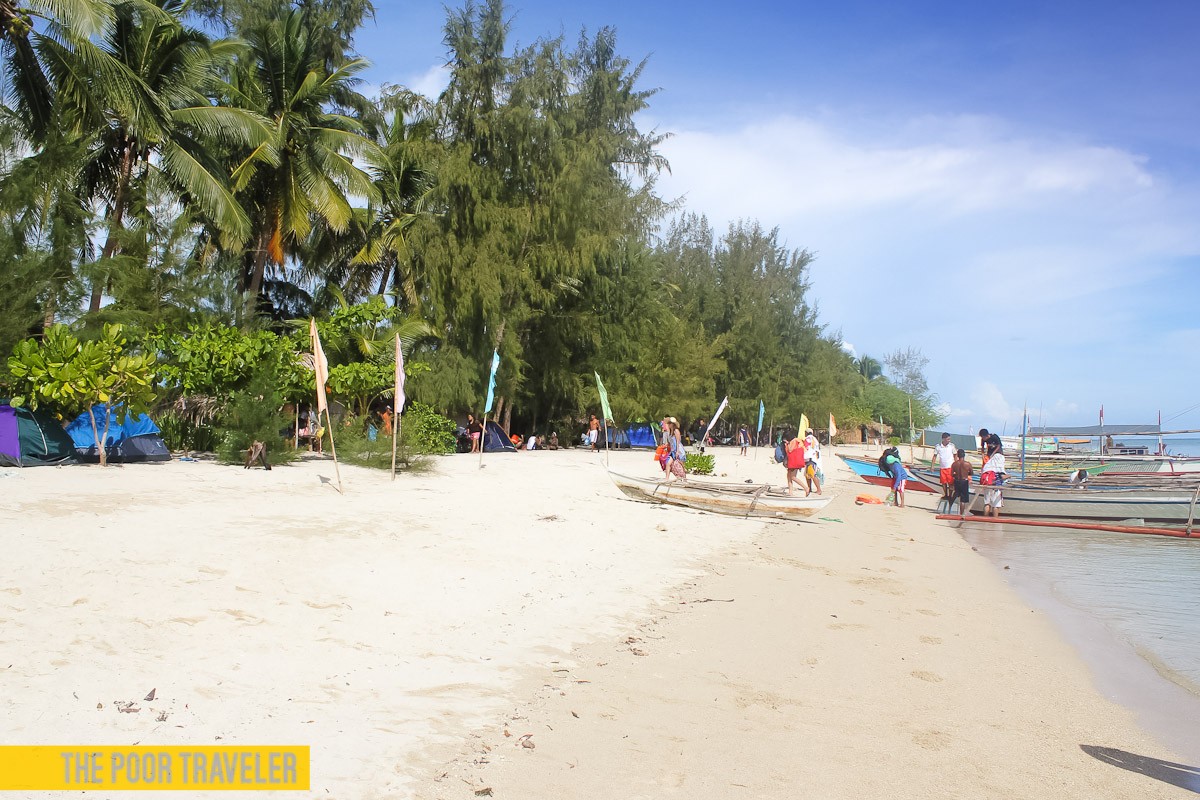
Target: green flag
[604, 399]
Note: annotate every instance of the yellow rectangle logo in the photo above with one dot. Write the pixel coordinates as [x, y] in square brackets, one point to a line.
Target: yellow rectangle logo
[147, 768]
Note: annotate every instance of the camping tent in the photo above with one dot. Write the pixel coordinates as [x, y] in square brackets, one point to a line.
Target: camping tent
[32, 439]
[129, 439]
[494, 440]
[641, 435]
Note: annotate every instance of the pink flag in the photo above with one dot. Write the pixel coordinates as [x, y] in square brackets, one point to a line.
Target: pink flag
[320, 366]
[399, 404]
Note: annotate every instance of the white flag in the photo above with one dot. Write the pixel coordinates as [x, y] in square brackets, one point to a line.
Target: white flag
[720, 410]
[399, 404]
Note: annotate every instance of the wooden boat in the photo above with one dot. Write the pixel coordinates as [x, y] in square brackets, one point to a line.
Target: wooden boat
[869, 471]
[1179, 531]
[735, 499]
[1090, 503]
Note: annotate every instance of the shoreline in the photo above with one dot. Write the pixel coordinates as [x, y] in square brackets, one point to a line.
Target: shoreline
[389, 626]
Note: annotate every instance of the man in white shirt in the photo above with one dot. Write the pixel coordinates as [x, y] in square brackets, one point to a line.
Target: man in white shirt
[943, 459]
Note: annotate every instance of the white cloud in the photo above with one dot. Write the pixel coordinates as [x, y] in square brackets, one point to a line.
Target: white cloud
[431, 82]
[849, 348]
[1035, 261]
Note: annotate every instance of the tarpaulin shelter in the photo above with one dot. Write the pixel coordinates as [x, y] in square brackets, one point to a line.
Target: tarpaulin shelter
[641, 435]
[32, 438]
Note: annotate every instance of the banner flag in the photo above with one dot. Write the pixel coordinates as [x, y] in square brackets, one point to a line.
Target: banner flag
[720, 410]
[491, 395]
[803, 426]
[604, 400]
[832, 428]
[762, 409]
[398, 406]
[320, 366]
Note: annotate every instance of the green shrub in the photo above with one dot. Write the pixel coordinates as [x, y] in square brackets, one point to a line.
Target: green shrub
[893, 440]
[255, 414]
[355, 445]
[427, 432]
[182, 433]
[697, 464]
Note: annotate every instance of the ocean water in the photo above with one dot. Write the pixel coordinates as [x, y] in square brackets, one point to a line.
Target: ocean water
[1127, 602]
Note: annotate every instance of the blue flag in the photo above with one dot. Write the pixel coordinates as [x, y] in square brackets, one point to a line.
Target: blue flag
[761, 410]
[491, 396]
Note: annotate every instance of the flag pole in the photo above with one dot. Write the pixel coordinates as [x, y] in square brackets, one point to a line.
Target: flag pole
[321, 373]
[395, 437]
[483, 439]
[607, 452]
[333, 449]
[397, 401]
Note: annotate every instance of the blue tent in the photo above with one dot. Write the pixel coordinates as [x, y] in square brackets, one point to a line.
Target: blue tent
[494, 440]
[129, 439]
[641, 435]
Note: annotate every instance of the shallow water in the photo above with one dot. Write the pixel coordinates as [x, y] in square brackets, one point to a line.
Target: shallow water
[1127, 602]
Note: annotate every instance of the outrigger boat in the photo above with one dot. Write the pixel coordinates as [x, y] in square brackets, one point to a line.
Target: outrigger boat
[869, 471]
[735, 499]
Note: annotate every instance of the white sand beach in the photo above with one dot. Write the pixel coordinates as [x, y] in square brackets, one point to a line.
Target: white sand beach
[420, 634]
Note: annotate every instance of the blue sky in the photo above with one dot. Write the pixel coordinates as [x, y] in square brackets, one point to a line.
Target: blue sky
[1013, 189]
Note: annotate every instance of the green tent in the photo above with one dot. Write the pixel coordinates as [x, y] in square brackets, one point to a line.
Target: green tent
[32, 438]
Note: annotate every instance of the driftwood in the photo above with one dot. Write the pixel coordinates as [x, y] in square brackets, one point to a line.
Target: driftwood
[257, 452]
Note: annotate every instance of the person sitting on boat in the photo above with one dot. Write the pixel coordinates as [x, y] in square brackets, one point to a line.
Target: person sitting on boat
[960, 472]
[899, 474]
[994, 499]
[795, 463]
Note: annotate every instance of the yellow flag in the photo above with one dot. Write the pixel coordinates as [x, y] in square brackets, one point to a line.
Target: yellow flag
[320, 366]
[803, 425]
[832, 428]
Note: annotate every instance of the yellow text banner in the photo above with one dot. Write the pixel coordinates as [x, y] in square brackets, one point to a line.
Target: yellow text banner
[148, 768]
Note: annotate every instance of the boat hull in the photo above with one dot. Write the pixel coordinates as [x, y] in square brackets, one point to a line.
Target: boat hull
[869, 472]
[758, 502]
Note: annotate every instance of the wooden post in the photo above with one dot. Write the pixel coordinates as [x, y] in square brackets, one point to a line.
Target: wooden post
[395, 438]
[333, 448]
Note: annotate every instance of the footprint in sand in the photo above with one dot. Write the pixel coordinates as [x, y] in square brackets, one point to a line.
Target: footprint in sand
[931, 677]
[931, 640]
[932, 740]
[242, 616]
[13, 591]
[858, 602]
[928, 612]
[846, 626]
[895, 558]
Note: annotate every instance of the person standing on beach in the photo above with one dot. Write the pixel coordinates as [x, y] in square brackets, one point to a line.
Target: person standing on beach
[475, 430]
[943, 459]
[812, 462]
[899, 475]
[593, 433]
[676, 457]
[743, 439]
[991, 477]
[960, 472]
[795, 463]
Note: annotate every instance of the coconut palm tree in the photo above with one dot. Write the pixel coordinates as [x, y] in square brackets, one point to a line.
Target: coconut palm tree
[169, 127]
[41, 25]
[304, 172]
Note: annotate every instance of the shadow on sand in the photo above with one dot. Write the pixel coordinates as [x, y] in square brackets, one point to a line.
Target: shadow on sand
[1180, 775]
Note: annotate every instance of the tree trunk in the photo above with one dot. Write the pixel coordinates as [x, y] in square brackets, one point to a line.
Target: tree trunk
[116, 218]
[258, 270]
[499, 413]
[508, 419]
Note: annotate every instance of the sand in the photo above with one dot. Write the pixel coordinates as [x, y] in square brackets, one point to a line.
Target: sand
[421, 634]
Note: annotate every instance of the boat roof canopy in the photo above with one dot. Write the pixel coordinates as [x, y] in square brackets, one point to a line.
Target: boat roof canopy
[1153, 429]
